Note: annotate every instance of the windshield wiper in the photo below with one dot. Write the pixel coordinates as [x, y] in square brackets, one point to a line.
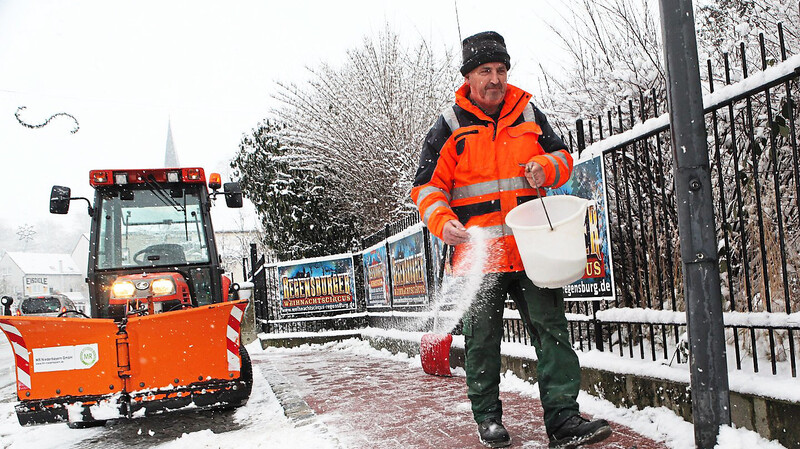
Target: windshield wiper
[161, 193]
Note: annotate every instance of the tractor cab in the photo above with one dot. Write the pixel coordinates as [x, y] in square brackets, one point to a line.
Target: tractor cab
[152, 241]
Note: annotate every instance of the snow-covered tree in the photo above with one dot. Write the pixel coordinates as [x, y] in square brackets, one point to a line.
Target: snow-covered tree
[722, 25]
[299, 215]
[359, 126]
[613, 52]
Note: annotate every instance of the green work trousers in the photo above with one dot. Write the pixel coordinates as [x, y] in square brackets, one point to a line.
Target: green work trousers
[542, 311]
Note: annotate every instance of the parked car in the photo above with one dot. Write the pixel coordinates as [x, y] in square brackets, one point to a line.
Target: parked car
[45, 305]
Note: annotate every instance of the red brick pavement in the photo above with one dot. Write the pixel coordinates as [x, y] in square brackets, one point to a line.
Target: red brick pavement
[372, 402]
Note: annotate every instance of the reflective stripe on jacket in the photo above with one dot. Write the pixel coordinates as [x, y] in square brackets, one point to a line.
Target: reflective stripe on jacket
[470, 170]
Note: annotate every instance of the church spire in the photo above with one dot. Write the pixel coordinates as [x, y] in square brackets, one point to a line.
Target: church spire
[170, 155]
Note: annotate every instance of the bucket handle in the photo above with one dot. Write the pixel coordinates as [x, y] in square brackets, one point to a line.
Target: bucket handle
[542, 199]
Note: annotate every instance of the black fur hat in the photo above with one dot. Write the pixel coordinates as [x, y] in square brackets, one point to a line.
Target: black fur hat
[481, 48]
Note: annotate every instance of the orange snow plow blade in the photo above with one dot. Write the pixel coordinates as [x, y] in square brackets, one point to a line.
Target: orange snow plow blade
[205, 364]
[84, 370]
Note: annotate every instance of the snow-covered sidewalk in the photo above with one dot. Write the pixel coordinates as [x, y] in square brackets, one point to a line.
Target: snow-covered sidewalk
[263, 424]
[337, 406]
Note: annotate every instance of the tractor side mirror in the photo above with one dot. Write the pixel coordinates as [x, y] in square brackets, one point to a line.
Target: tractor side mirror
[233, 194]
[59, 200]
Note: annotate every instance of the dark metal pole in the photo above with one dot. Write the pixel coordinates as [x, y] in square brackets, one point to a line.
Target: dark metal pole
[709, 375]
[581, 136]
[598, 326]
[253, 259]
[258, 296]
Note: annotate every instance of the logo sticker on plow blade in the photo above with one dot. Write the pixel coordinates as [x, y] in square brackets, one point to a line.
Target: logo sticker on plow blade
[58, 357]
[64, 358]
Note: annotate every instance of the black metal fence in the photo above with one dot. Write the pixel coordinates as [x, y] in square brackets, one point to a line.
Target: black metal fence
[752, 139]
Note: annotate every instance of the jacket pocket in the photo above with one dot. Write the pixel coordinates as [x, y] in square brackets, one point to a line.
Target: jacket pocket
[461, 140]
[525, 128]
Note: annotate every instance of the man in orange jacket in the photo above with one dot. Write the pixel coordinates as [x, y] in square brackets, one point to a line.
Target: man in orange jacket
[489, 152]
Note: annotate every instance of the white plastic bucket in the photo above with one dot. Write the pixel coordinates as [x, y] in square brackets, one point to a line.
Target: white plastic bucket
[552, 258]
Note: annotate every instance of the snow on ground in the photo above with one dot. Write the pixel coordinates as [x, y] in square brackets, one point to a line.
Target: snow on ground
[660, 424]
[263, 421]
[263, 424]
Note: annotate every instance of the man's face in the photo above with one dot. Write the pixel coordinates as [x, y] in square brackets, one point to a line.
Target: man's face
[487, 85]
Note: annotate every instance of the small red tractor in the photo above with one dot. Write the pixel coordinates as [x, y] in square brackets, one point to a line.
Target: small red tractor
[164, 332]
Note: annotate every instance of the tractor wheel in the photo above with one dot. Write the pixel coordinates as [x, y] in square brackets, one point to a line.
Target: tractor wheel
[245, 375]
[247, 370]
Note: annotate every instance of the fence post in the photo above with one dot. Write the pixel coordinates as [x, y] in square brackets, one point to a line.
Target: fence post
[253, 257]
[390, 274]
[598, 326]
[580, 135]
[259, 295]
[709, 375]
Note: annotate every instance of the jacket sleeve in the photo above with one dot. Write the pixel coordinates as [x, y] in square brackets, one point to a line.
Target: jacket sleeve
[557, 161]
[434, 178]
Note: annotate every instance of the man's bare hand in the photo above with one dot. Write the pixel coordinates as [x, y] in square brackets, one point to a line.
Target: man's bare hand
[454, 233]
[535, 174]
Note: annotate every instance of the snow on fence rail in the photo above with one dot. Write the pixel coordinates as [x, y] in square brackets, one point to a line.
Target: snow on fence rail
[730, 319]
[770, 77]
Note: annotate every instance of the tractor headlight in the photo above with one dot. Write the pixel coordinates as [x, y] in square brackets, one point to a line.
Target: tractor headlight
[123, 289]
[162, 287]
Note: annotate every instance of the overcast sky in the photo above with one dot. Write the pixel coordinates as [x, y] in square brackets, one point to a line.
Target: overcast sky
[126, 69]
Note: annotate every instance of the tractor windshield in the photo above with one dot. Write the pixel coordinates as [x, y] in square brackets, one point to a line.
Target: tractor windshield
[150, 225]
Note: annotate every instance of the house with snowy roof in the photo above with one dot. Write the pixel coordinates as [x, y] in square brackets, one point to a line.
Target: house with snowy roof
[31, 274]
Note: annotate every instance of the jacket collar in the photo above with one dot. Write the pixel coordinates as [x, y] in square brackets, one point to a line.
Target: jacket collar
[513, 104]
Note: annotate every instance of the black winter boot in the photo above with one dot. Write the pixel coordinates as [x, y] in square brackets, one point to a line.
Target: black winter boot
[493, 434]
[577, 431]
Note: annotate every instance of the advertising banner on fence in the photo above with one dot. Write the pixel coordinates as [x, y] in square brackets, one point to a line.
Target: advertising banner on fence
[317, 285]
[409, 281]
[588, 182]
[376, 274]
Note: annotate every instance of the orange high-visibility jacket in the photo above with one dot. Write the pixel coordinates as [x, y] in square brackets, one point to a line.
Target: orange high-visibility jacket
[470, 170]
